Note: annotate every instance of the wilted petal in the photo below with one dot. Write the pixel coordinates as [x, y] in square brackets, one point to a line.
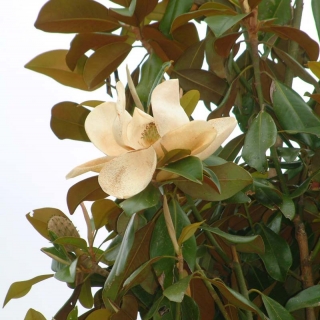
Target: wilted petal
[128, 174]
[98, 126]
[122, 118]
[195, 136]
[166, 108]
[137, 127]
[224, 127]
[93, 165]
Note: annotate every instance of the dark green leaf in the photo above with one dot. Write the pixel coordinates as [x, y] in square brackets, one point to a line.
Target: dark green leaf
[174, 9]
[277, 257]
[176, 291]
[232, 148]
[190, 168]
[275, 310]
[190, 309]
[278, 9]
[232, 179]
[220, 24]
[149, 71]
[287, 207]
[249, 244]
[316, 14]
[147, 198]
[85, 190]
[192, 58]
[161, 244]
[307, 298]
[267, 194]
[261, 135]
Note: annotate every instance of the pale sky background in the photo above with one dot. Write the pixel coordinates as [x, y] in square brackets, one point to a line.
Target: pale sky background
[34, 162]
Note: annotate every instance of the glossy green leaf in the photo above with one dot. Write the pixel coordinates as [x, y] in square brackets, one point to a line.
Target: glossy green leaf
[67, 273]
[277, 257]
[67, 121]
[34, 315]
[161, 244]
[292, 112]
[304, 186]
[133, 252]
[135, 277]
[104, 212]
[174, 9]
[39, 219]
[85, 190]
[220, 24]
[296, 67]
[149, 71]
[166, 308]
[249, 244]
[192, 58]
[190, 168]
[232, 178]
[275, 310]
[313, 130]
[316, 14]
[177, 291]
[73, 314]
[235, 297]
[73, 241]
[21, 288]
[86, 298]
[307, 298]
[280, 10]
[207, 9]
[57, 255]
[53, 64]
[190, 309]
[189, 101]
[103, 62]
[68, 16]
[232, 148]
[83, 42]
[262, 134]
[147, 198]
[267, 194]
[287, 207]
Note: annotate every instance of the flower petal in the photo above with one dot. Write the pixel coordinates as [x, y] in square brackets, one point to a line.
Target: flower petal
[136, 127]
[128, 174]
[224, 127]
[195, 136]
[93, 165]
[166, 108]
[122, 119]
[98, 126]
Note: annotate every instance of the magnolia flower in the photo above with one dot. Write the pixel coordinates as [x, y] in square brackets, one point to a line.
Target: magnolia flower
[135, 145]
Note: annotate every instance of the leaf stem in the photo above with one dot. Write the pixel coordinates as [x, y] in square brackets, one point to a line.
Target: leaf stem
[208, 234]
[275, 159]
[213, 293]
[293, 45]
[305, 263]
[240, 278]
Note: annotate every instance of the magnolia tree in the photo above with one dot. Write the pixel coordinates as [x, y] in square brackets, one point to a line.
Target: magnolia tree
[193, 230]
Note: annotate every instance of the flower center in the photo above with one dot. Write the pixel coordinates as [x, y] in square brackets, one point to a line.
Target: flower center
[150, 134]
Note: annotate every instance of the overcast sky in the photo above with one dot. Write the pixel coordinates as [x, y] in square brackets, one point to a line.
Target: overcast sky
[33, 161]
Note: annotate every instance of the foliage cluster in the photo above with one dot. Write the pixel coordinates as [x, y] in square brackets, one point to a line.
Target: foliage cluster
[231, 236]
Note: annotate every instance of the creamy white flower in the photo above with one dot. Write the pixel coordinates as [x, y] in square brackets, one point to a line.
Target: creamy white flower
[136, 144]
